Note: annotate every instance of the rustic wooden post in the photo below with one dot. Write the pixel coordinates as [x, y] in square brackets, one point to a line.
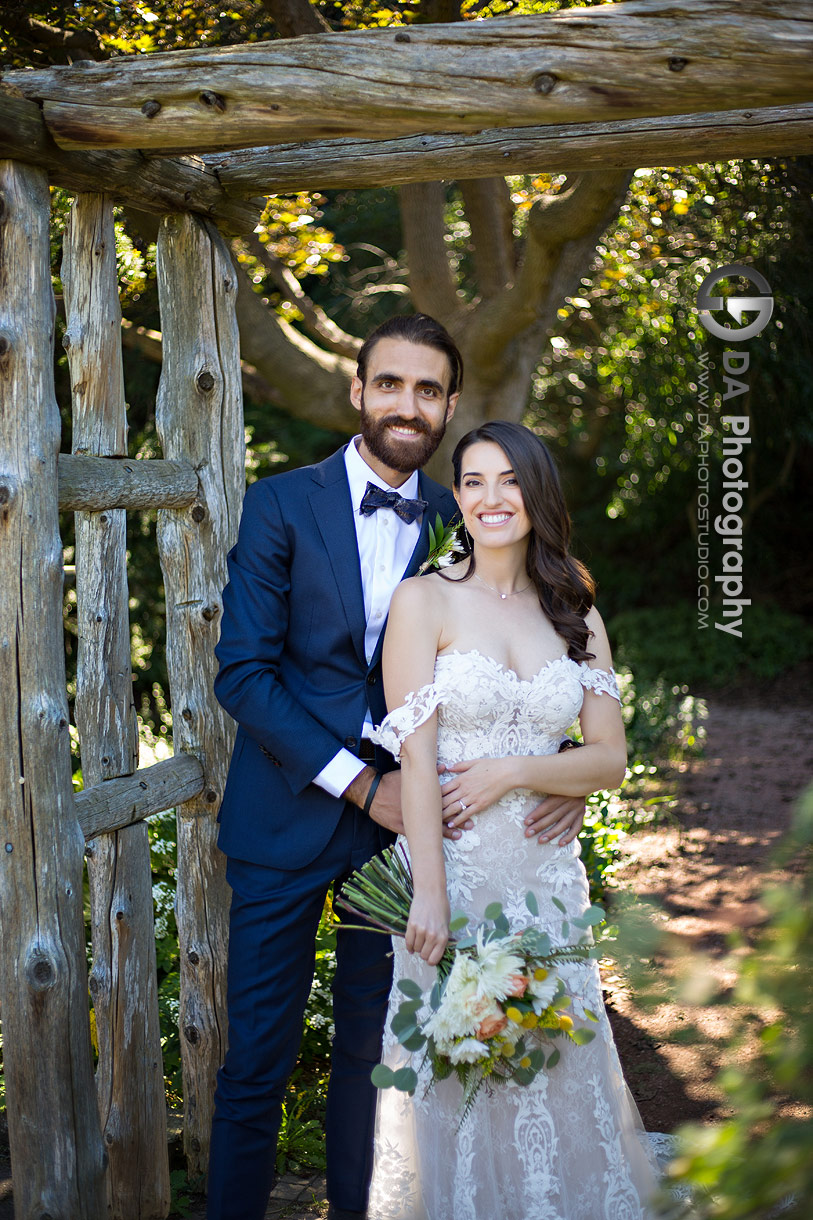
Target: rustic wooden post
[200, 420]
[56, 1147]
[129, 1076]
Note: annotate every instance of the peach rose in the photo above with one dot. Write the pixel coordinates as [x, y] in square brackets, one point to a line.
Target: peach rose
[490, 1026]
[519, 985]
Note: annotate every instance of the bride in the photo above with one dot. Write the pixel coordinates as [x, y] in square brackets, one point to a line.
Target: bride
[486, 664]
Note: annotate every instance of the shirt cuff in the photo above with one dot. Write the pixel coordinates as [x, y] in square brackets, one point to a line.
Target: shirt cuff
[339, 773]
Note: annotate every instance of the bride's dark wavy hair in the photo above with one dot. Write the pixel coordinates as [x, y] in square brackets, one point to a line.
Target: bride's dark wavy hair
[565, 587]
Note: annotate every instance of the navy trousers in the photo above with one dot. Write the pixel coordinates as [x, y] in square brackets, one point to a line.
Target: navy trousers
[274, 918]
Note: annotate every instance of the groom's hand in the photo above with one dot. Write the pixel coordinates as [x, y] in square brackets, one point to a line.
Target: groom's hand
[556, 815]
[386, 805]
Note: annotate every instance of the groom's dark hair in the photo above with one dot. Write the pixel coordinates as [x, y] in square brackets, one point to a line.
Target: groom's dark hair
[416, 328]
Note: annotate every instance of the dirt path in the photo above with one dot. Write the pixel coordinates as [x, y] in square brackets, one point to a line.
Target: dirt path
[705, 869]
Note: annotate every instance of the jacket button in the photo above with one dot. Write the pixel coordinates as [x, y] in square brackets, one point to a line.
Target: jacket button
[351, 743]
[372, 679]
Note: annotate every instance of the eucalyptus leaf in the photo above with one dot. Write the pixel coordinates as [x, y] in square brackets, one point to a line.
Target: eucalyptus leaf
[410, 988]
[382, 1076]
[494, 910]
[405, 1079]
[557, 902]
[531, 903]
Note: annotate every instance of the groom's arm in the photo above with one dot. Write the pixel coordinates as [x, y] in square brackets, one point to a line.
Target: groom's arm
[252, 639]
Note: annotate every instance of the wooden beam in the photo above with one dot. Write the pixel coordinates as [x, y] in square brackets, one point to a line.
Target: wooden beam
[159, 185]
[640, 58]
[57, 1152]
[117, 803]
[627, 144]
[199, 418]
[91, 484]
[123, 983]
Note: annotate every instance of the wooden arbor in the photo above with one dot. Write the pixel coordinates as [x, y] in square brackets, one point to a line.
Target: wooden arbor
[81, 1152]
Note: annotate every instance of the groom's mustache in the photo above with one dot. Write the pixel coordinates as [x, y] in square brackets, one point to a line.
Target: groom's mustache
[397, 421]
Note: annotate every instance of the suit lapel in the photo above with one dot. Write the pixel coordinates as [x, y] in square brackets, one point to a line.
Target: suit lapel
[333, 511]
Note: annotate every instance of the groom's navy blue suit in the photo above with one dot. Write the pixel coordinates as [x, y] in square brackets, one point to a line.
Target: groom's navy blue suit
[294, 676]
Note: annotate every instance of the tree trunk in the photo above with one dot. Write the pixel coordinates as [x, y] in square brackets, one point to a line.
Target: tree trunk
[639, 58]
[56, 1147]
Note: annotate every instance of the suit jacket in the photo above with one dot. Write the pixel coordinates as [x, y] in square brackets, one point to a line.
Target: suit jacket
[293, 673]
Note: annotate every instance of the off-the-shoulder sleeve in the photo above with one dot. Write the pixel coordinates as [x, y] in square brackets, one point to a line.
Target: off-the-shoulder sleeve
[397, 726]
[602, 681]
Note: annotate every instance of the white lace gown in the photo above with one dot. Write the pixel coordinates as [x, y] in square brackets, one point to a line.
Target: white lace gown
[569, 1146]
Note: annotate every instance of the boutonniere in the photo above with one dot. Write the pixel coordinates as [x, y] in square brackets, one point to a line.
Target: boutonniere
[445, 544]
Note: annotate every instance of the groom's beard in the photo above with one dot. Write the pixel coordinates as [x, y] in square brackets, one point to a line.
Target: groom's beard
[404, 456]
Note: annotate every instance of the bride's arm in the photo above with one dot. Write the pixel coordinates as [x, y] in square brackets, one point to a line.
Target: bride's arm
[600, 764]
[410, 648]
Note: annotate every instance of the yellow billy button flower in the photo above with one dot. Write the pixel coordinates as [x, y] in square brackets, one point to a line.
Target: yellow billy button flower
[514, 1015]
[565, 1022]
[507, 1049]
[529, 1021]
[525, 1062]
[540, 974]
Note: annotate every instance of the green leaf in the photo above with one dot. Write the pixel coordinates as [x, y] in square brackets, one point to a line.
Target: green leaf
[554, 1058]
[410, 988]
[531, 903]
[382, 1076]
[405, 1079]
[494, 910]
[594, 915]
[582, 1036]
[435, 996]
[415, 1042]
[591, 1016]
[403, 1021]
[458, 921]
[560, 906]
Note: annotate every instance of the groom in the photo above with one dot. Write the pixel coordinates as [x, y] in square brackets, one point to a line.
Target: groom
[308, 798]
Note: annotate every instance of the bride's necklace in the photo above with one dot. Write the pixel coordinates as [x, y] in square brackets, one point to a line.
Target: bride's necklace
[503, 596]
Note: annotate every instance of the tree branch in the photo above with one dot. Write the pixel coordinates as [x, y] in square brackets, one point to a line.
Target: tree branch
[55, 44]
[561, 235]
[490, 215]
[313, 384]
[317, 322]
[295, 17]
[433, 286]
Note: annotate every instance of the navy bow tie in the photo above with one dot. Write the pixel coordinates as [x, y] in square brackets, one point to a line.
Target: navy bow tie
[375, 498]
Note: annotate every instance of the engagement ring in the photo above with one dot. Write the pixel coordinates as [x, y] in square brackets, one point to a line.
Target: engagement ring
[463, 807]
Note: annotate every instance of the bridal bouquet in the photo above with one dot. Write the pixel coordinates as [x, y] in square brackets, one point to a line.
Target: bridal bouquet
[498, 1003]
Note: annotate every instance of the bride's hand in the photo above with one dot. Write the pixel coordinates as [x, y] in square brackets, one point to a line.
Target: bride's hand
[476, 785]
[427, 929]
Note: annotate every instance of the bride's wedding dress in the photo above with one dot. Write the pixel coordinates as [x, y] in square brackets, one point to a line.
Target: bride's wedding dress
[569, 1146]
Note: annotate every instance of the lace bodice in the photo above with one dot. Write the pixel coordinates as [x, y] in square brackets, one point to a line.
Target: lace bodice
[486, 710]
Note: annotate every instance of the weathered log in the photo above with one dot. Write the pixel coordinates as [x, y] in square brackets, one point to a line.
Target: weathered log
[92, 484]
[56, 1147]
[179, 184]
[640, 58]
[199, 419]
[120, 802]
[628, 144]
[123, 984]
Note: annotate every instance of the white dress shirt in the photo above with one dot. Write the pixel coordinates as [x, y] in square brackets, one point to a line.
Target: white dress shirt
[385, 545]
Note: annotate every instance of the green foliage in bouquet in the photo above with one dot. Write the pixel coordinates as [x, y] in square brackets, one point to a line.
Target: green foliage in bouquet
[497, 1001]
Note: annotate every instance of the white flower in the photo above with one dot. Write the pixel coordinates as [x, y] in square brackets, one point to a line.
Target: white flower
[497, 967]
[542, 991]
[468, 1051]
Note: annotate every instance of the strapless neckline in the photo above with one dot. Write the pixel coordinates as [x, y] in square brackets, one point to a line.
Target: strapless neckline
[506, 669]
